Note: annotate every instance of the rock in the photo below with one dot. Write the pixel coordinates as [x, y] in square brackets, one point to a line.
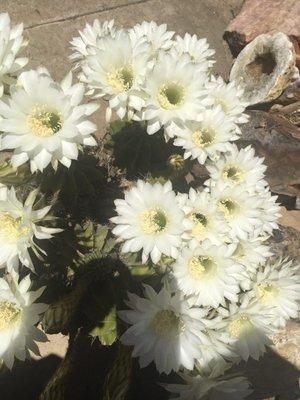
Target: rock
[265, 67]
[276, 374]
[290, 218]
[291, 94]
[272, 139]
[285, 243]
[258, 17]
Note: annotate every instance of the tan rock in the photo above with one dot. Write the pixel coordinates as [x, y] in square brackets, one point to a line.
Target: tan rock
[265, 67]
[290, 218]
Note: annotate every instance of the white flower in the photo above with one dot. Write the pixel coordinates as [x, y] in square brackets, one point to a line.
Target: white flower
[210, 387]
[203, 220]
[19, 225]
[238, 167]
[174, 88]
[247, 326]
[88, 41]
[197, 49]
[240, 210]
[229, 97]
[43, 121]
[11, 42]
[157, 36]
[269, 211]
[207, 137]
[250, 252]
[18, 318]
[278, 285]
[164, 330]
[208, 273]
[149, 219]
[117, 71]
[214, 350]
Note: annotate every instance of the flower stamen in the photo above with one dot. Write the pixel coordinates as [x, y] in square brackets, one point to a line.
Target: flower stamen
[9, 312]
[121, 79]
[233, 173]
[166, 322]
[10, 228]
[171, 95]
[153, 221]
[204, 137]
[201, 267]
[229, 207]
[239, 326]
[43, 122]
[266, 292]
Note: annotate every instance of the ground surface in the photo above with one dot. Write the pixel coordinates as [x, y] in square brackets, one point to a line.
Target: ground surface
[49, 26]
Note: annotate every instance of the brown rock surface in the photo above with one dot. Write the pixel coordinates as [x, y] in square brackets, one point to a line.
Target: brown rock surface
[257, 17]
[290, 218]
[272, 139]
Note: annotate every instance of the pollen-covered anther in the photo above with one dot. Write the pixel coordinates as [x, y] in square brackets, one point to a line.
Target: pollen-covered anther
[239, 326]
[229, 207]
[200, 222]
[266, 292]
[201, 266]
[171, 95]
[166, 322]
[203, 137]
[153, 221]
[121, 79]
[10, 227]
[44, 122]
[9, 312]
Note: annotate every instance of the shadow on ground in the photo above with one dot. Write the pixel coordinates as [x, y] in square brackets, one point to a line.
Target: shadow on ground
[272, 377]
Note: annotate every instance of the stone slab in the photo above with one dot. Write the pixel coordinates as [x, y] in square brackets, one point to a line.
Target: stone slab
[34, 13]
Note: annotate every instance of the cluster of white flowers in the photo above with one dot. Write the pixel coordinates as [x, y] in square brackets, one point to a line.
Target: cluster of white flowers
[32, 109]
[222, 296]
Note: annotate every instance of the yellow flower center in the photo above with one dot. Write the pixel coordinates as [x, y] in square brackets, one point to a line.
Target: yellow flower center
[171, 95]
[229, 207]
[43, 122]
[204, 137]
[10, 228]
[201, 267]
[240, 326]
[121, 79]
[233, 173]
[267, 292]
[9, 312]
[200, 223]
[153, 221]
[166, 323]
